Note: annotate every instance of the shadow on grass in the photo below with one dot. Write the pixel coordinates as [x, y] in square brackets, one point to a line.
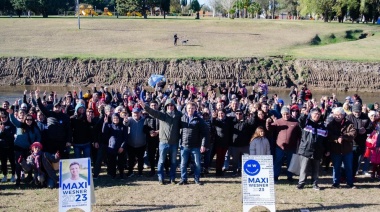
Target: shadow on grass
[190, 45]
[148, 207]
[330, 207]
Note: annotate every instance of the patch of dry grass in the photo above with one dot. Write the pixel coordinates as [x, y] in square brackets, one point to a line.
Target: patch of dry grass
[217, 194]
[153, 38]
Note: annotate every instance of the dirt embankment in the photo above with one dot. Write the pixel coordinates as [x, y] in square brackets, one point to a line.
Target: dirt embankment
[277, 72]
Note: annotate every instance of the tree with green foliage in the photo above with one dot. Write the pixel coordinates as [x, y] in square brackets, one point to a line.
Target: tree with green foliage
[175, 6]
[44, 7]
[195, 6]
[6, 6]
[254, 9]
[165, 6]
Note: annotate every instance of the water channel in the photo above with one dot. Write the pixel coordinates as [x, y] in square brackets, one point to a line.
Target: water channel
[12, 93]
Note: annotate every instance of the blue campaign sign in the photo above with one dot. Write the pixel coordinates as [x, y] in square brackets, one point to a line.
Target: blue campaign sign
[76, 190]
[257, 182]
[252, 167]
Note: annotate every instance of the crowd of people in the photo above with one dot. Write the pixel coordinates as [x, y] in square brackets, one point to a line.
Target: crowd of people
[176, 123]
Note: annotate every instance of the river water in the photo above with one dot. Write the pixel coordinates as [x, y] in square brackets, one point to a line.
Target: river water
[12, 93]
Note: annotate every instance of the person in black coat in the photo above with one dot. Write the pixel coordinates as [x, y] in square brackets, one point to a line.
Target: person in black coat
[312, 146]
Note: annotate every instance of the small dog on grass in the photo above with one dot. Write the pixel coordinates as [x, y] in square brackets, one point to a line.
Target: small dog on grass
[184, 42]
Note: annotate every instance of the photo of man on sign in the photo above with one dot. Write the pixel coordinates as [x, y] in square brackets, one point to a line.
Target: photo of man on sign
[75, 175]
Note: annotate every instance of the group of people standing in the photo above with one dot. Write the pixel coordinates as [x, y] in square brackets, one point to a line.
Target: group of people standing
[181, 122]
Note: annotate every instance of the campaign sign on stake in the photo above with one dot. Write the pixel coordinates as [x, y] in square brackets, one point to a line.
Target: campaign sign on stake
[75, 184]
[257, 182]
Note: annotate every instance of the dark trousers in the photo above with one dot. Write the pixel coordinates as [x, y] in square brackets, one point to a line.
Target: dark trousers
[133, 154]
[153, 154]
[220, 153]
[20, 152]
[357, 158]
[100, 155]
[5, 155]
[116, 160]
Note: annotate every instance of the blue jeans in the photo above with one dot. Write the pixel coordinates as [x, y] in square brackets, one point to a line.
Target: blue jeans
[279, 156]
[82, 150]
[227, 158]
[347, 160]
[185, 155]
[164, 149]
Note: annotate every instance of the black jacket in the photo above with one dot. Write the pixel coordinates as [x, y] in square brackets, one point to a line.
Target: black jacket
[314, 138]
[58, 125]
[242, 131]
[222, 131]
[195, 132]
[362, 121]
[150, 124]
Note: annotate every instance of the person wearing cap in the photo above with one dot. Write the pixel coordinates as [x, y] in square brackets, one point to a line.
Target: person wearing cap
[288, 135]
[58, 132]
[136, 143]
[295, 111]
[312, 146]
[341, 135]
[169, 135]
[361, 124]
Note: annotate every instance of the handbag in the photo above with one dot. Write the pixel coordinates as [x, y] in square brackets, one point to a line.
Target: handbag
[295, 164]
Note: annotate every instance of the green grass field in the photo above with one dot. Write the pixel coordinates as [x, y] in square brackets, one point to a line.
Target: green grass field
[208, 38]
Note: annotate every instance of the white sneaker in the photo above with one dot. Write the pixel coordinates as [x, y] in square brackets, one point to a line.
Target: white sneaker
[5, 179]
[13, 179]
[367, 174]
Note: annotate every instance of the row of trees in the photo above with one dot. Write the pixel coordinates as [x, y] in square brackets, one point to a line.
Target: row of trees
[327, 9]
[46, 7]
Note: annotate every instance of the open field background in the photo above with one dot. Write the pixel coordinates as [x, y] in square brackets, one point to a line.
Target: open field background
[217, 194]
[208, 38]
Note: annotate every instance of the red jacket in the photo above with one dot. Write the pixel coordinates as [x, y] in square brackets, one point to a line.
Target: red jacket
[288, 133]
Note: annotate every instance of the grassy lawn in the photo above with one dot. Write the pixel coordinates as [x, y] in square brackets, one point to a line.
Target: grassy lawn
[208, 38]
[217, 194]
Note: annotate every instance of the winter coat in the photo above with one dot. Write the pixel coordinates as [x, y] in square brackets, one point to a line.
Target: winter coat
[136, 136]
[150, 124]
[58, 125]
[259, 146]
[25, 135]
[169, 123]
[242, 131]
[344, 129]
[314, 138]
[116, 135]
[195, 132]
[289, 133]
[7, 136]
[362, 121]
[223, 135]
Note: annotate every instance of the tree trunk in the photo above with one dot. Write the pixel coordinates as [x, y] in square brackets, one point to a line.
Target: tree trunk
[325, 17]
[164, 15]
[197, 13]
[44, 14]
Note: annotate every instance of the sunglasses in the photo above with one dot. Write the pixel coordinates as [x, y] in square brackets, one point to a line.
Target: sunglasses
[29, 119]
[239, 113]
